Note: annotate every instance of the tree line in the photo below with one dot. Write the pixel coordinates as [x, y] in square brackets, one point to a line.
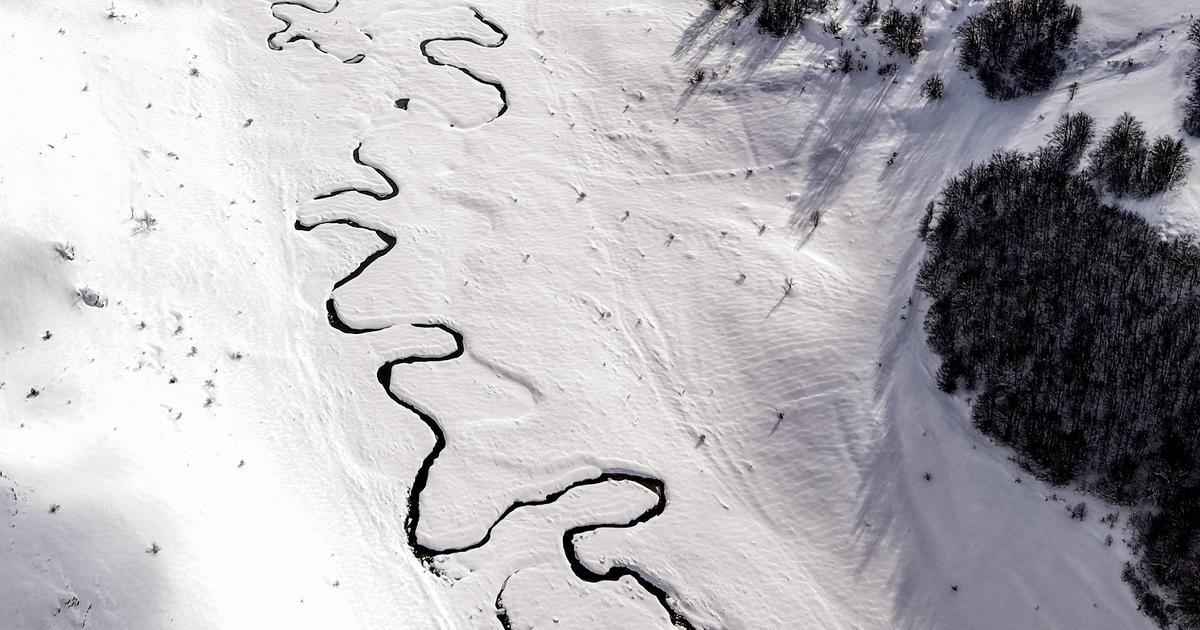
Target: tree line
[1017, 47]
[1075, 327]
[1191, 108]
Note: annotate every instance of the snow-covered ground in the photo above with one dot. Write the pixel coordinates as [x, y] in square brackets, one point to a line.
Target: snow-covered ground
[705, 285]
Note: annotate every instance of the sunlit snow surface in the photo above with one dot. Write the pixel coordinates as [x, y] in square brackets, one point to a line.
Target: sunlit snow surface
[614, 246]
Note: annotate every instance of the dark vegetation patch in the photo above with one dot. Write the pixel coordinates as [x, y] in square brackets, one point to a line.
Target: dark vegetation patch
[1126, 165]
[1075, 327]
[1191, 109]
[1017, 47]
[902, 33]
[778, 18]
[934, 88]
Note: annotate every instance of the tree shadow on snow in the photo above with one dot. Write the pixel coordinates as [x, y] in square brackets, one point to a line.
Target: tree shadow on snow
[723, 44]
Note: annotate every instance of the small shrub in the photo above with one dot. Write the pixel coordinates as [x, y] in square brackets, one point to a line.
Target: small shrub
[833, 27]
[1079, 511]
[923, 229]
[1071, 137]
[1016, 47]
[934, 88]
[92, 298]
[867, 13]
[902, 32]
[845, 61]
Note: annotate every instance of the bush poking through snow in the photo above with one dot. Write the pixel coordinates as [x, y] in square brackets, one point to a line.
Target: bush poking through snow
[902, 32]
[867, 13]
[1016, 47]
[92, 298]
[65, 251]
[845, 61]
[934, 88]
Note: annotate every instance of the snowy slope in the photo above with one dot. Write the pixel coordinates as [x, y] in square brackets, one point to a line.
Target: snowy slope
[614, 250]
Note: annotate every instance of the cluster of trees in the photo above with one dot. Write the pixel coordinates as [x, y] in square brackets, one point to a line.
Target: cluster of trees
[1191, 109]
[777, 17]
[1125, 164]
[1076, 327]
[901, 32]
[1016, 47]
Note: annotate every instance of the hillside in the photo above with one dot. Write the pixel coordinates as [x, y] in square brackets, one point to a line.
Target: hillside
[644, 346]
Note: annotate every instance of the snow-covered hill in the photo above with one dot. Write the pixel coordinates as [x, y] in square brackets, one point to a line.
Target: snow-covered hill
[672, 315]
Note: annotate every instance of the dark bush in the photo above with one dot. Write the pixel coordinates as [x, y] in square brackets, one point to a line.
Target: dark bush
[1016, 47]
[1191, 108]
[1071, 137]
[1167, 166]
[1125, 165]
[934, 88]
[845, 61]
[867, 12]
[1076, 328]
[1118, 162]
[902, 32]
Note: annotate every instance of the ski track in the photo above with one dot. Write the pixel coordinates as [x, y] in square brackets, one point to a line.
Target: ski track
[424, 553]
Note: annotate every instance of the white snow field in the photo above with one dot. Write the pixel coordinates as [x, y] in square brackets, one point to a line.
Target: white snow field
[613, 245]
